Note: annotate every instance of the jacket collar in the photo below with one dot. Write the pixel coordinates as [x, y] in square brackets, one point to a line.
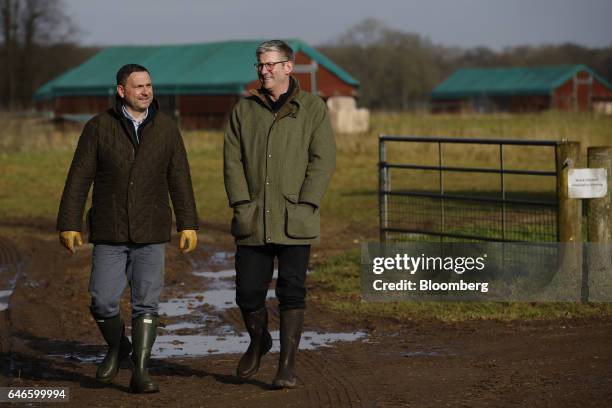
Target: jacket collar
[127, 125]
[117, 109]
[292, 104]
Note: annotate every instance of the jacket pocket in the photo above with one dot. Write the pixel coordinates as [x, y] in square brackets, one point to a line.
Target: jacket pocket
[302, 220]
[244, 220]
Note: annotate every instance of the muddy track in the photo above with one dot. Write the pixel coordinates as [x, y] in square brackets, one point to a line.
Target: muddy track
[9, 255]
[331, 387]
[10, 264]
[54, 342]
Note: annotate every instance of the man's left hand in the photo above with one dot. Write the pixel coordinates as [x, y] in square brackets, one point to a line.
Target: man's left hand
[188, 241]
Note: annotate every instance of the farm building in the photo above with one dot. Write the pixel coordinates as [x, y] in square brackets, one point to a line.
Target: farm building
[198, 83]
[522, 89]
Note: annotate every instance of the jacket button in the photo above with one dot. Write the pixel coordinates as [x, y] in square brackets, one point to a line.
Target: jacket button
[269, 239]
[269, 155]
[268, 211]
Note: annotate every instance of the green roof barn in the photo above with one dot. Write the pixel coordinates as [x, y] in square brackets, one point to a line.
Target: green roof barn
[517, 89]
[198, 83]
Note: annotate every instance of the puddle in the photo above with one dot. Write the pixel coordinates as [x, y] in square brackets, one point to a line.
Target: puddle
[182, 326]
[203, 345]
[229, 273]
[220, 299]
[4, 299]
[221, 258]
[224, 274]
[81, 358]
[7, 285]
[202, 308]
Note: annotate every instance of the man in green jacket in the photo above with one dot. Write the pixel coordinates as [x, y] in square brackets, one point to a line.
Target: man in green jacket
[279, 156]
[134, 156]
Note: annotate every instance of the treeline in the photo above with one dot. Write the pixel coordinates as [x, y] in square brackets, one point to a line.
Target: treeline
[37, 44]
[398, 70]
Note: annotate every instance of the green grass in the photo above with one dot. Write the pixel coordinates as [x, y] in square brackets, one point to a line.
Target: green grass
[337, 285]
[205, 151]
[32, 182]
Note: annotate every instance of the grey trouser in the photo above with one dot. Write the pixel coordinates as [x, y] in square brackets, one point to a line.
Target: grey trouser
[113, 266]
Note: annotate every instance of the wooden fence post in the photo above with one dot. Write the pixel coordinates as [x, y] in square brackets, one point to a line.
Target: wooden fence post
[599, 249]
[570, 283]
[570, 209]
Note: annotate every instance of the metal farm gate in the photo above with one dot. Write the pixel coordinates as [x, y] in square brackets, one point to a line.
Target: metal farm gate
[438, 213]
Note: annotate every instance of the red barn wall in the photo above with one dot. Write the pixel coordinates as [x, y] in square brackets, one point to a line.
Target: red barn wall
[81, 104]
[564, 96]
[529, 103]
[567, 97]
[600, 91]
[205, 111]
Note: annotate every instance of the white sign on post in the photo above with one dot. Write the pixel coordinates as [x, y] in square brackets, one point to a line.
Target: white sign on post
[587, 183]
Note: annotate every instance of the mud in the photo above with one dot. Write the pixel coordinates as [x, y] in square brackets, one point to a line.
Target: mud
[48, 338]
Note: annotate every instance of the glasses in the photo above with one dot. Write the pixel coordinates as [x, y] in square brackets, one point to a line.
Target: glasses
[269, 65]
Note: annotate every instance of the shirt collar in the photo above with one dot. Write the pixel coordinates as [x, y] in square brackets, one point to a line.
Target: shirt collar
[126, 113]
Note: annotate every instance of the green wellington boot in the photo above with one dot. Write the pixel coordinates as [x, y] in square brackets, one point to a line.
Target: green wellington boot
[144, 331]
[290, 332]
[119, 347]
[261, 342]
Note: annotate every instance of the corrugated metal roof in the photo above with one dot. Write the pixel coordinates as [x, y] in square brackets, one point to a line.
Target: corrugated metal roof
[542, 80]
[209, 68]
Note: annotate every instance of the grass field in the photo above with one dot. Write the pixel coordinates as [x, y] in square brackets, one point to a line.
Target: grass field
[35, 158]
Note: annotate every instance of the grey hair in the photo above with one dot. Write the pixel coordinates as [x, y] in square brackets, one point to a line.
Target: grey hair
[275, 46]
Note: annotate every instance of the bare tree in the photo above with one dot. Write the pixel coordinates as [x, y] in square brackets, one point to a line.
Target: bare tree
[396, 69]
[9, 10]
[26, 27]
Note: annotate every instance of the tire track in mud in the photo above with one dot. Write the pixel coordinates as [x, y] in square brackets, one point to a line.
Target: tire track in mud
[325, 383]
[9, 256]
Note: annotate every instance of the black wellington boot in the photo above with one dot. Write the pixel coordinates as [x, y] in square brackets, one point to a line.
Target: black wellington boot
[119, 347]
[290, 332]
[261, 342]
[144, 331]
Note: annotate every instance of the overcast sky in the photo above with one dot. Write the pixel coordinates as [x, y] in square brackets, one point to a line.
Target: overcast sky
[466, 23]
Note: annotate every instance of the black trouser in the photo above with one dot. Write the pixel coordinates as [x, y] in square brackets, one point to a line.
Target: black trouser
[254, 270]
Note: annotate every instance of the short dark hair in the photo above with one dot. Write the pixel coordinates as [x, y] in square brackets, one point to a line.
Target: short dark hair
[278, 46]
[126, 70]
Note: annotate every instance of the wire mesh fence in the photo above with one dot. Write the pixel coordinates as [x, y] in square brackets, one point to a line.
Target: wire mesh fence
[445, 213]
